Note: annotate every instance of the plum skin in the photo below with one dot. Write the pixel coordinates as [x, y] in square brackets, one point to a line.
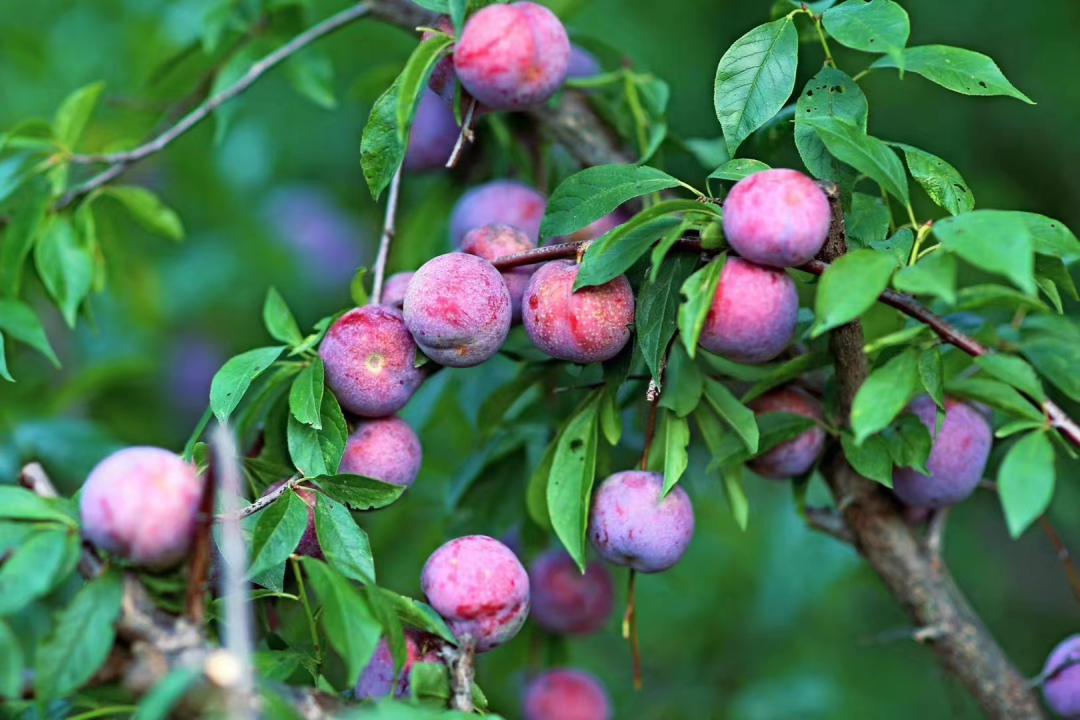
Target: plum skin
[378, 679]
[142, 504]
[796, 456]
[479, 587]
[458, 309]
[492, 242]
[499, 202]
[512, 57]
[630, 525]
[566, 694]
[957, 459]
[753, 314]
[393, 290]
[433, 135]
[370, 361]
[1062, 688]
[584, 326]
[777, 217]
[385, 449]
[566, 601]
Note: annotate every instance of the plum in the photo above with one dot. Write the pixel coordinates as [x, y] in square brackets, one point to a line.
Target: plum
[583, 64]
[512, 57]
[566, 601]
[794, 457]
[142, 504]
[492, 242]
[393, 290]
[385, 449]
[458, 309]
[566, 694]
[434, 133]
[1062, 686]
[631, 525]
[309, 542]
[370, 361]
[589, 325]
[777, 217]
[957, 459]
[500, 202]
[753, 314]
[479, 587]
[380, 678]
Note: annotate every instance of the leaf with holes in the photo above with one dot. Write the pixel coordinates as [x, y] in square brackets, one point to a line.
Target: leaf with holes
[573, 472]
[830, 93]
[850, 144]
[963, 71]
[941, 181]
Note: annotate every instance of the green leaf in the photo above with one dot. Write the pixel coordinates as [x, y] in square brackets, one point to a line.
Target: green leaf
[909, 442]
[899, 245]
[1050, 236]
[997, 297]
[1052, 268]
[932, 375]
[737, 416]
[879, 26]
[418, 615]
[347, 620]
[830, 93]
[167, 694]
[935, 275]
[884, 395]
[75, 112]
[343, 542]
[358, 492]
[573, 472]
[774, 429]
[11, 664]
[319, 452]
[28, 214]
[18, 320]
[35, 567]
[414, 80]
[1026, 481]
[785, 373]
[1057, 359]
[850, 287]
[381, 151]
[959, 70]
[1015, 372]
[586, 196]
[17, 503]
[81, 639]
[872, 157]
[660, 250]
[683, 383]
[311, 73]
[306, 394]
[868, 220]
[656, 306]
[357, 291]
[871, 459]
[147, 209]
[997, 395]
[736, 496]
[997, 241]
[736, 170]
[536, 502]
[277, 532]
[699, 291]
[234, 378]
[279, 320]
[676, 441]
[65, 264]
[755, 78]
[941, 181]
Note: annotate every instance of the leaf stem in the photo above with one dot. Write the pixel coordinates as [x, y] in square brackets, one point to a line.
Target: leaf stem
[888, 208]
[307, 607]
[638, 112]
[920, 235]
[862, 74]
[821, 36]
[189, 447]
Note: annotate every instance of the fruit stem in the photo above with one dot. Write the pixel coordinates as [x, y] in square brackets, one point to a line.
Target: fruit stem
[629, 628]
[824, 42]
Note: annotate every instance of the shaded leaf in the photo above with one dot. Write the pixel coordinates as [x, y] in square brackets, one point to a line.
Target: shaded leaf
[871, 459]
[699, 291]
[850, 144]
[277, 531]
[959, 70]
[941, 181]
[656, 306]
[594, 192]
[234, 378]
[319, 452]
[850, 287]
[347, 620]
[830, 93]
[1026, 481]
[570, 483]
[884, 395]
[934, 274]
[342, 541]
[737, 416]
[147, 209]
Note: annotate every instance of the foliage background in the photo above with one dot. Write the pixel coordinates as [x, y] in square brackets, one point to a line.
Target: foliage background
[774, 621]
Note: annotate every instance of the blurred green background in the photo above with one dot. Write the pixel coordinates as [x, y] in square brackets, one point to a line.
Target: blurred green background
[773, 622]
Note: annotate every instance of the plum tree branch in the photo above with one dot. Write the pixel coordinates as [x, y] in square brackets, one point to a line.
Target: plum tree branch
[387, 237]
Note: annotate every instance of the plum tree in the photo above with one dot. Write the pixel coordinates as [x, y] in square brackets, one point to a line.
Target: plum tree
[776, 217]
[393, 292]
[566, 601]
[499, 202]
[512, 57]
[309, 542]
[589, 325]
[141, 503]
[480, 588]
[433, 135]
[957, 459]
[492, 242]
[753, 314]
[794, 457]
[380, 678]
[1061, 689]
[458, 309]
[385, 449]
[632, 525]
[566, 694]
[370, 361]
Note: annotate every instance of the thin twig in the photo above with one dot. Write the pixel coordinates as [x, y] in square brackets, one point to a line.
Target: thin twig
[34, 478]
[829, 522]
[1062, 554]
[460, 660]
[650, 431]
[387, 237]
[466, 134]
[935, 533]
[263, 502]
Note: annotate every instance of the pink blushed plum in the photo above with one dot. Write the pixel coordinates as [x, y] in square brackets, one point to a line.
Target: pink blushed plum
[512, 57]
[566, 601]
[1062, 686]
[631, 525]
[370, 361]
[142, 503]
[584, 326]
[434, 133]
[500, 202]
[479, 587]
[309, 541]
[492, 242]
[385, 449]
[381, 679]
[458, 309]
[753, 315]
[393, 292]
[566, 694]
[957, 459]
[777, 217]
[794, 457]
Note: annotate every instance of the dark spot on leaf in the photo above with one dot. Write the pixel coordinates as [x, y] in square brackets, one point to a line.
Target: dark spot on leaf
[871, 39]
[983, 84]
[575, 445]
[960, 187]
[809, 93]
